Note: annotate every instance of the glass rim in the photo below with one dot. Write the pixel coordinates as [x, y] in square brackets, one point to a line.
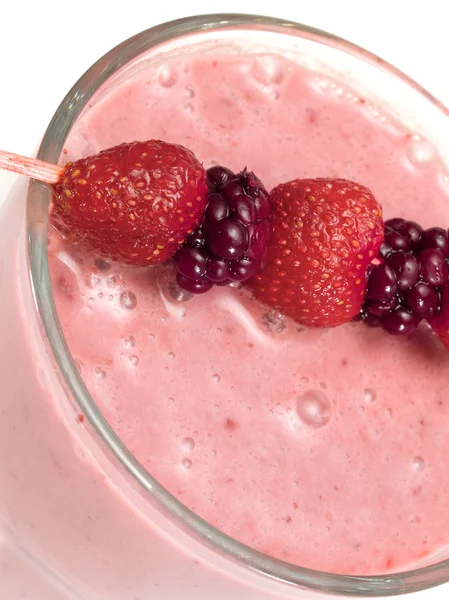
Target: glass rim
[37, 221]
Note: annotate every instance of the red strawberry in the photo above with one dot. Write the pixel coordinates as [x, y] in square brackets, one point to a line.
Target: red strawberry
[134, 203]
[440, 323]
[325, 234]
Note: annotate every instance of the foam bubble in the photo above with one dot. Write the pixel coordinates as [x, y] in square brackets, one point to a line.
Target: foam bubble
[314, 409]
[99, 373]
[128, 300]
[186, 463]
[418, 463]
[188, 444]
[134, 360]
[369, 395]
[216, 377]
[129, 342]
[273, 321]
[167, 75]
[421, 153]
[268, 70]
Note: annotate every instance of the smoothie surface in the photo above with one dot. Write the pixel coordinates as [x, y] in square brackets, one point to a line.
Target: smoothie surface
[325, 448]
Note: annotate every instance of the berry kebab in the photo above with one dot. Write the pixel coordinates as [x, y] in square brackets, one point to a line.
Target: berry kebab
[315, 249]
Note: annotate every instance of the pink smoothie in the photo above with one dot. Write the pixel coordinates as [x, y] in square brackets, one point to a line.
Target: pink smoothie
[324, 448]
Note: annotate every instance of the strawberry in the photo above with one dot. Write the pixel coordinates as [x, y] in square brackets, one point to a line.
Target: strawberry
[440, 323]
[134, 203]
[325, 234]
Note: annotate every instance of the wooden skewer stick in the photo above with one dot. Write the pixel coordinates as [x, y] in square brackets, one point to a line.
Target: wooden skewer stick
[32, 167]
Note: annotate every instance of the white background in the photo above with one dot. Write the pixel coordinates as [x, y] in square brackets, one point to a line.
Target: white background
[46, 45]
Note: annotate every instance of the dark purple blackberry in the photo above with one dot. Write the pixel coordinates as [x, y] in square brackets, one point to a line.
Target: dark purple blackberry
[231, 242]
[405, 286]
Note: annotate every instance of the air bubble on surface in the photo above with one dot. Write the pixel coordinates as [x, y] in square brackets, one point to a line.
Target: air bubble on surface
[314, 409]
[421, 153]
[186, 463]
[134, 360]
[99, 373]
[128, 300]
[129, 341]
[188, 444]
[167, 75]
[369, 395]
[273, 321]
[268, 70]
[418, 463]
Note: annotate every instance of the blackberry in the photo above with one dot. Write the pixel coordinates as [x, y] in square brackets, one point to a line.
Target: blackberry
[407, 283]
[230, 243]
